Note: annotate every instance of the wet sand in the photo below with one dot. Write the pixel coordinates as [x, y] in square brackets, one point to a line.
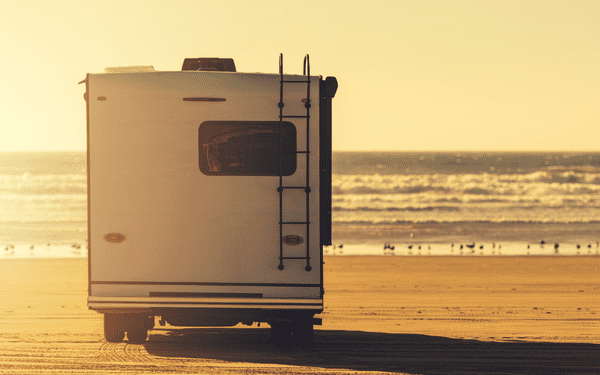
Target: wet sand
[414, 315]
[467, 232]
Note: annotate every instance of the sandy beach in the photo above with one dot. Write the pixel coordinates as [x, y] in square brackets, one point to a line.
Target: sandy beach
[414, 315]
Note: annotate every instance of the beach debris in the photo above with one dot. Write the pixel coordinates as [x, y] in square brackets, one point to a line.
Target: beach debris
[470, 246]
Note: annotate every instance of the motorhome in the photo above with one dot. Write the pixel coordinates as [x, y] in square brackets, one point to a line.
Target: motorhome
[209, 197]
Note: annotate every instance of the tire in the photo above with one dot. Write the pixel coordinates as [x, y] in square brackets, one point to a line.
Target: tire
[114, 327]
[137, 332]
[137, 336]
[281, 334]
[303, 334]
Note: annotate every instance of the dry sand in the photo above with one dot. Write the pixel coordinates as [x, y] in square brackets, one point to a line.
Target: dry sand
[415, 315]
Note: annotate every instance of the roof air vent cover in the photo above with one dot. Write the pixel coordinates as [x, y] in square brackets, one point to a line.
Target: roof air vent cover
[209, 64]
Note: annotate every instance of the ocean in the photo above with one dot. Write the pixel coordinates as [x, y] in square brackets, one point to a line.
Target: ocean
[43, 200]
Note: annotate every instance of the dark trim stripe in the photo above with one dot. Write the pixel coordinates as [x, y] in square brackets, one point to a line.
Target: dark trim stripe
[203, 284]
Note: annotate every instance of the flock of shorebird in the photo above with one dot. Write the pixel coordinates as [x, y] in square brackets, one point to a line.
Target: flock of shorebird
[469, 248]
[388, 248]
[10, 249]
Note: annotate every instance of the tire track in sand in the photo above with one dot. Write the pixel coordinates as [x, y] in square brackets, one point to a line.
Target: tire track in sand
[124, 352]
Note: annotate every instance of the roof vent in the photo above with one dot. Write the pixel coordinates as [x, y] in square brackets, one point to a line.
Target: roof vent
[209, 64]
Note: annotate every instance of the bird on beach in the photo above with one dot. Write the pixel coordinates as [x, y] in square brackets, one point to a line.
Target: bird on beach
[470, 246]
[556, 248]
[390, 247]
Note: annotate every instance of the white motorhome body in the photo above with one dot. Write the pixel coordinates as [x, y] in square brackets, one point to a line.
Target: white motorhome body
[208, 200]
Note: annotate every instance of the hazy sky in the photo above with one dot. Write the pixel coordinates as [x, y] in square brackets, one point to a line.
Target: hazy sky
[413, 75]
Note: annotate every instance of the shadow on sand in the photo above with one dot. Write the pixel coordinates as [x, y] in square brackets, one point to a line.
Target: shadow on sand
[373, 351]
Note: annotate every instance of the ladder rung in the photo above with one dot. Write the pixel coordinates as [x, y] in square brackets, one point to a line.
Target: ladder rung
[294, 258]
[294, 187]
[295, 152]
[295, 81]
[294, 222]
[295, 116]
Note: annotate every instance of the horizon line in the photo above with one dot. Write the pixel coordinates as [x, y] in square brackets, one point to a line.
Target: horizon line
[368, 151]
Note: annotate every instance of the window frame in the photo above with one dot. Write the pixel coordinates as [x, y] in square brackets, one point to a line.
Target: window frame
[289, 146]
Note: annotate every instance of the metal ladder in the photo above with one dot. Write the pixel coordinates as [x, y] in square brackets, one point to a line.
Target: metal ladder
[306, 188]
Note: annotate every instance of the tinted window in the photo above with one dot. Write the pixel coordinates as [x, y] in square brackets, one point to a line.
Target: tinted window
[247, 148]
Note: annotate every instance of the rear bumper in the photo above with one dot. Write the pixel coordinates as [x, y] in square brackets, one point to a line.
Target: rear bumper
[149, 303]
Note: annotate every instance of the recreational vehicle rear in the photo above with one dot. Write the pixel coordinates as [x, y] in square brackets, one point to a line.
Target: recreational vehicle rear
[209, 197]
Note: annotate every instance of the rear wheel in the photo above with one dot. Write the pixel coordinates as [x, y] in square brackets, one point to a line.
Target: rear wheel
[137, 335]
[281, 333]
[114, 327]
[303, 334]
[137, 332]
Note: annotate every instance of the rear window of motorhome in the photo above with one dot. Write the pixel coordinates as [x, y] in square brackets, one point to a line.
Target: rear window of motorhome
[247, 148]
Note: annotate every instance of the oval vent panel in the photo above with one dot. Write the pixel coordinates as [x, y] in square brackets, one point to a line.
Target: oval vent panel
[292, 240]
[114, 237]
